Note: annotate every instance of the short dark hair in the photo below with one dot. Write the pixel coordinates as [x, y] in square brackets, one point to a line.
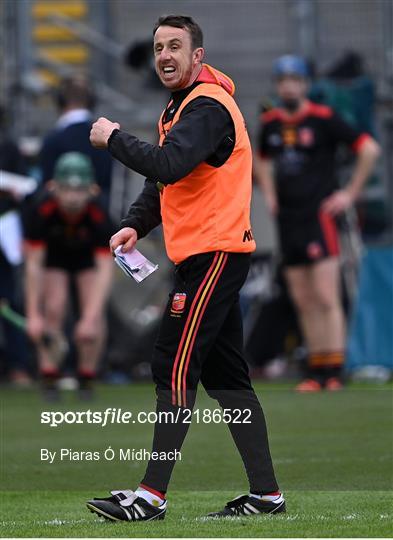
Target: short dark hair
[76, 90]
[182, 21]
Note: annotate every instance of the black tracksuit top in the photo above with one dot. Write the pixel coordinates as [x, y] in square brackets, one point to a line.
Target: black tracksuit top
[204, 133]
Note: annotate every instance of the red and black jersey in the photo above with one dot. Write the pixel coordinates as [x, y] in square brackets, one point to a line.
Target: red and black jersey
[71, 244]
[303, 148]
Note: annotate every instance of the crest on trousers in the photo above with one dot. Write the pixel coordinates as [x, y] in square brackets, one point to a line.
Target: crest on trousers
[178, 303]
[314, 250]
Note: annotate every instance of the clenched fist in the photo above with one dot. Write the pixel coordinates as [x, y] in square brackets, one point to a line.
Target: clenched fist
[101, 131]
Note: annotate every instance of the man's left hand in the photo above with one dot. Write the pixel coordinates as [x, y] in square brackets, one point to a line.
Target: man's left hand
[337, 202]
[101, 131]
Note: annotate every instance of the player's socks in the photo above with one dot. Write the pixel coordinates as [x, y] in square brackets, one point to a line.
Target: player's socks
[49, 370]
[86, 378]
[49, 377]
[323, 367]
[152, 496]
[330, 369]
[334, 361]
[316, 369]
[274, 496]
[314, 376]
[316, 366]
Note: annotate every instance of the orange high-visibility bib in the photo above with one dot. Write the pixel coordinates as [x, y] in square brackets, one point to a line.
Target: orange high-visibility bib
[209, 209]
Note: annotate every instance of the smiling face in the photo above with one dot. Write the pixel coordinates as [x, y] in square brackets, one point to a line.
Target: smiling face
[177, 64]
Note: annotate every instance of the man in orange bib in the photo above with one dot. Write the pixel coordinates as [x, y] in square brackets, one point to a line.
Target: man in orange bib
[199, 187]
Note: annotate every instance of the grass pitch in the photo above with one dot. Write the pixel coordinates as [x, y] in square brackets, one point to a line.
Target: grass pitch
[332, 454]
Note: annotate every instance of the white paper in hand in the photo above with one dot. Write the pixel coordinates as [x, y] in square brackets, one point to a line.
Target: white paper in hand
[134, 264]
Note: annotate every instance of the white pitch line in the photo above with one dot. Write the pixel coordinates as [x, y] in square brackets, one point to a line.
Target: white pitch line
[56, 522]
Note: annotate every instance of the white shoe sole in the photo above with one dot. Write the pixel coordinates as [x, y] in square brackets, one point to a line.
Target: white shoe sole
[100, 512]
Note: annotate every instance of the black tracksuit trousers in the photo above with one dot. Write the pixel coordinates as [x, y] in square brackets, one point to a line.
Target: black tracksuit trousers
[201, 339]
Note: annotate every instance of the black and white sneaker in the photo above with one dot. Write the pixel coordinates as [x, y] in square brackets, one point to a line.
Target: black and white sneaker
[244, 505]
[126, 506]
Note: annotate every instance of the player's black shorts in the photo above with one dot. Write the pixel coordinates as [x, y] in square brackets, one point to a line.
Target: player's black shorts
[70, 244]
[72, 264]
[308, 241]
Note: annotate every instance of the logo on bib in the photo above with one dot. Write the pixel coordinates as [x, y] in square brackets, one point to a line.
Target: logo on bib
[247, 236]
[178, 303]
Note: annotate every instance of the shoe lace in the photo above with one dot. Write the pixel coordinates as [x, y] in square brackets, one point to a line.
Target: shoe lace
[134, 514]
[129, 505]
[237, 505]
